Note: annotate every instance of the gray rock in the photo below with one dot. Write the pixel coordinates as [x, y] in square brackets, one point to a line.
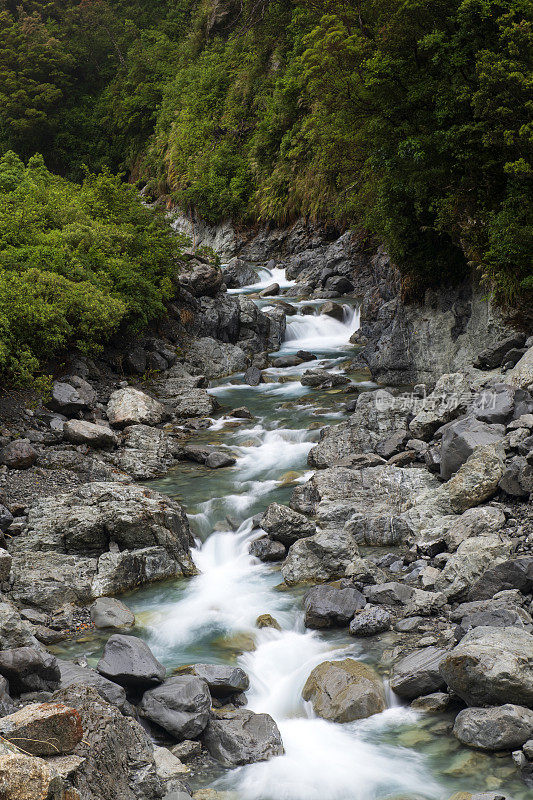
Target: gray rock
[333, 310]
[432, 703]
[459, 441]
[446, 402]
[505, 727]
[331, 606]
[253, 376]
[147, 452]
[5, 565]
[135, 361]
[477, 479]
[218, 459]
[180, 706]
[119, 572]
[222, 679]
[522, 374]
[515, 573]
[107, 612]
[472, 558]
[78, 431]
[130, 406]
[480, 521]
[117, 754]
[270, 290]
[215, 359]
[70, 399]
[50, 579]
[370, 622]
[516, 479]
[322, 379]
[494, 618]
[201, 280]
[325, 556]
[491, 666]
[497, 404]
[6, 703]
[74, 675]
[187, 750]
[391, 594]
[343, 691]
[494, 356]
[418, 673]
[242, 737]
[266, 549]
[285, 525]
[29, 669]
[128, 660]
[237, 273]
[169, 769]
[6, 518]
[18, 455]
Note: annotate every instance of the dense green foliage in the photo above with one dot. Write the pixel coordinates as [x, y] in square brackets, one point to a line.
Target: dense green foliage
[411, 118]
[76, 261]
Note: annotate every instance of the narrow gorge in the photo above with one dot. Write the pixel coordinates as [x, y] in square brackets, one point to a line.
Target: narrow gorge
[278, 549]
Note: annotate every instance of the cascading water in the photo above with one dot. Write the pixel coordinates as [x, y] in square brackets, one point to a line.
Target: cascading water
[365, 760]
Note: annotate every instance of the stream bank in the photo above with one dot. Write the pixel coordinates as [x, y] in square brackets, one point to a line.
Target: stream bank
[357, 469]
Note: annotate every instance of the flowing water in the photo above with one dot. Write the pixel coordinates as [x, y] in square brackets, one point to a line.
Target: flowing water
[211, 617]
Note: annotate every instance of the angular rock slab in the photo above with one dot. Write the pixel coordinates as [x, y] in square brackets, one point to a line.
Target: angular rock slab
[43, 729]
[343, 691]
[505, 727]
[130, 406]
[331, 606]
[418, 673]
[222, 679]
[325, 556]
[242, 737]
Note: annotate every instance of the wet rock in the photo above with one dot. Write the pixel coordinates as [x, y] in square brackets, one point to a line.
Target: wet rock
[338, 285]
[222, 679]
[432, 703]
[18, 455]
[253, 376]
[270, 290]
[69, 399]
[237, 274]
[242, 737]
[43, 729]
[186, 750]
[118, 759]
[477, 479]
[331, 606]
[480, 521]
[472, 558]
[285, 525]
[267, 621]
[491, 666]
[343, 691]
[325, 556]
[218, 459]
[418, 673]
[73, 675]
[459, 441]
[515, 573]
[370, 622]
[130, 406]
[107, 612]
[333, 310]
[267, 549]
[119, 572]
[169, 769]
[29, 669]
[180, 706]
[322, 379]
[127, 660]
[505, 727]
[79, 431]
[286, 361]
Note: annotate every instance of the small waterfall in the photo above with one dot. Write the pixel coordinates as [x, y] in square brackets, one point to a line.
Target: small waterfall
[320, 332]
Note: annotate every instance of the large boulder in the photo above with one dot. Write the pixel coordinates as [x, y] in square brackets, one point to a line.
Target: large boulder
[238, 273]
[24, 777]
[469, 562]
[502, 403]
[505, 727]
[331, 606]
[29, 669]
[14, 631]
[459, 441]
[180, 706]
[448, 399]
[85, 521]
[325, 556]
[118, 757]
[222, 679]
[480, 521]
[371, 621]
[343, 691]
[119, 572]
[522, 373]
[478, 478]
[515, 573]
[48, 580]
[73, 397]
[183, 393]
[286, 525]
[376, 417]
[18, 454]
[107, 612]
[201, 280]
[418, 673]
[495, 356]
[130, 406]
[490, 666]
[147, 452]
[128, 660]
[79, 431]
[242, 737]
[43, 729]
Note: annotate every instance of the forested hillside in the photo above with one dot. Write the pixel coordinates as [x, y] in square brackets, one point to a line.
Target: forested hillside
[411, 119]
